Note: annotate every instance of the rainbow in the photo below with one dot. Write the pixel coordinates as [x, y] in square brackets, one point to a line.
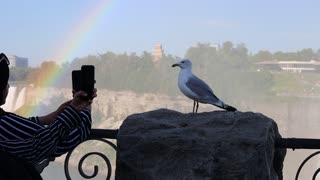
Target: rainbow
[69, 48]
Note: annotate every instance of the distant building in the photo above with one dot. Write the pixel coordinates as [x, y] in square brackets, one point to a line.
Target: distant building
[217, 46]
[16, 61]
[157, 53]
[290, 66]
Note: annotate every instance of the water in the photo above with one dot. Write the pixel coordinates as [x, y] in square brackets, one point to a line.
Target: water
[55, 171]
[21, 99]
[10, 101]
[16, 98]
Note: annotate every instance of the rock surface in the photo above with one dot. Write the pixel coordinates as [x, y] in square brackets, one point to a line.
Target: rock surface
[165, 144]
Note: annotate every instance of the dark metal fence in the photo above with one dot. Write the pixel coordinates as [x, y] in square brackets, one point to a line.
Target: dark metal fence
[300, 143]
[103, 135]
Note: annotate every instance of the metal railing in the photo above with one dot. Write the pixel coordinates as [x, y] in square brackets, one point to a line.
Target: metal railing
[103, 135]
[300, 143]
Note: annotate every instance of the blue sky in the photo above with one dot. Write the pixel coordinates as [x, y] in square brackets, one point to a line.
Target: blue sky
[37, 28]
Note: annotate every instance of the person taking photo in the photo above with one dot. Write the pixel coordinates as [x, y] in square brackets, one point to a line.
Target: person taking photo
[25, 142]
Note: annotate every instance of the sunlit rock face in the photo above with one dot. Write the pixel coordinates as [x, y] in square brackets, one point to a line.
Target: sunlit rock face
[165, 144]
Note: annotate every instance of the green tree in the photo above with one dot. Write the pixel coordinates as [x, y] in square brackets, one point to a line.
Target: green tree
[306, 54]
[262, 55]
[227, 47]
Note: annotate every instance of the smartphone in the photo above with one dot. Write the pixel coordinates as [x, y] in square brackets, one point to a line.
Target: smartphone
[88, 81]
[84, 80]
[76, 80]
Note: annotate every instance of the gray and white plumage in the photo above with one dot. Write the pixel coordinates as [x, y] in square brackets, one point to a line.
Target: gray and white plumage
[196, 89]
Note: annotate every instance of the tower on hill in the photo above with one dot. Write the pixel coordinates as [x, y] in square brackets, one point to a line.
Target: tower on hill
[157, 53]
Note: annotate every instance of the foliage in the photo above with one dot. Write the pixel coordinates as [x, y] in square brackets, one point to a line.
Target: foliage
[227, 69]
[302, 55]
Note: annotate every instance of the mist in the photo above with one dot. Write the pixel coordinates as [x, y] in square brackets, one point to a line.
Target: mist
[129, 84]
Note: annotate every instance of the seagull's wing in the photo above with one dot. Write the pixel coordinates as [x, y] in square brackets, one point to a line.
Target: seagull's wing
[205, 93]
[200, 88]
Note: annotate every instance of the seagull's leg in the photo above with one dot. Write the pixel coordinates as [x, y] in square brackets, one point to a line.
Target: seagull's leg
[197, 107]
[194, 105]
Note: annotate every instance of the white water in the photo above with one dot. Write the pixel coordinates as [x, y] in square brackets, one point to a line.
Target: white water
[21, 99]
[10, 101]
[15, 99]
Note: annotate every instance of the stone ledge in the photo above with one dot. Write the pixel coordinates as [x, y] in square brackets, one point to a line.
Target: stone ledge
[165, 144]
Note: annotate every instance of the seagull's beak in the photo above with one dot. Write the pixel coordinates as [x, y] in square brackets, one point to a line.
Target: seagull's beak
[174, 65]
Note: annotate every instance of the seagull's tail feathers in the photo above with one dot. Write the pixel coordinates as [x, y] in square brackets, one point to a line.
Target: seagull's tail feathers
[229, 108]
[222, 105]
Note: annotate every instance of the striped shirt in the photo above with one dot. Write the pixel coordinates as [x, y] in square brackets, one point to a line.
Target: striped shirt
[33, 142]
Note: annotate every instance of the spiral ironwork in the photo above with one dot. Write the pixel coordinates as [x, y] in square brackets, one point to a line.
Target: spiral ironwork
[102, 134]
[304, 162]
[96, 168]
[315, 174]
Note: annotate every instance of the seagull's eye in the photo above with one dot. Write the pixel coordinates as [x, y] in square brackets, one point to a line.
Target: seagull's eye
[182, 62]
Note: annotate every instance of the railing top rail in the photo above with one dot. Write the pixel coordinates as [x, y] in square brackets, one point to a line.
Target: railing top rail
[104, 133]
[297, 143]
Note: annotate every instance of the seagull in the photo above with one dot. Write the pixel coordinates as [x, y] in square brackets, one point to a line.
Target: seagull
[196, 89]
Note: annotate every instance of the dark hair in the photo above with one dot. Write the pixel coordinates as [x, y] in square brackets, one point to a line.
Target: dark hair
[4, 73]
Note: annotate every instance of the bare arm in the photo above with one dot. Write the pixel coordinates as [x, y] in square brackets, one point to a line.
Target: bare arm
[76, 103]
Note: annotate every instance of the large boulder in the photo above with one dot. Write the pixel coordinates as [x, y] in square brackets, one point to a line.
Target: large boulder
[165, 144]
